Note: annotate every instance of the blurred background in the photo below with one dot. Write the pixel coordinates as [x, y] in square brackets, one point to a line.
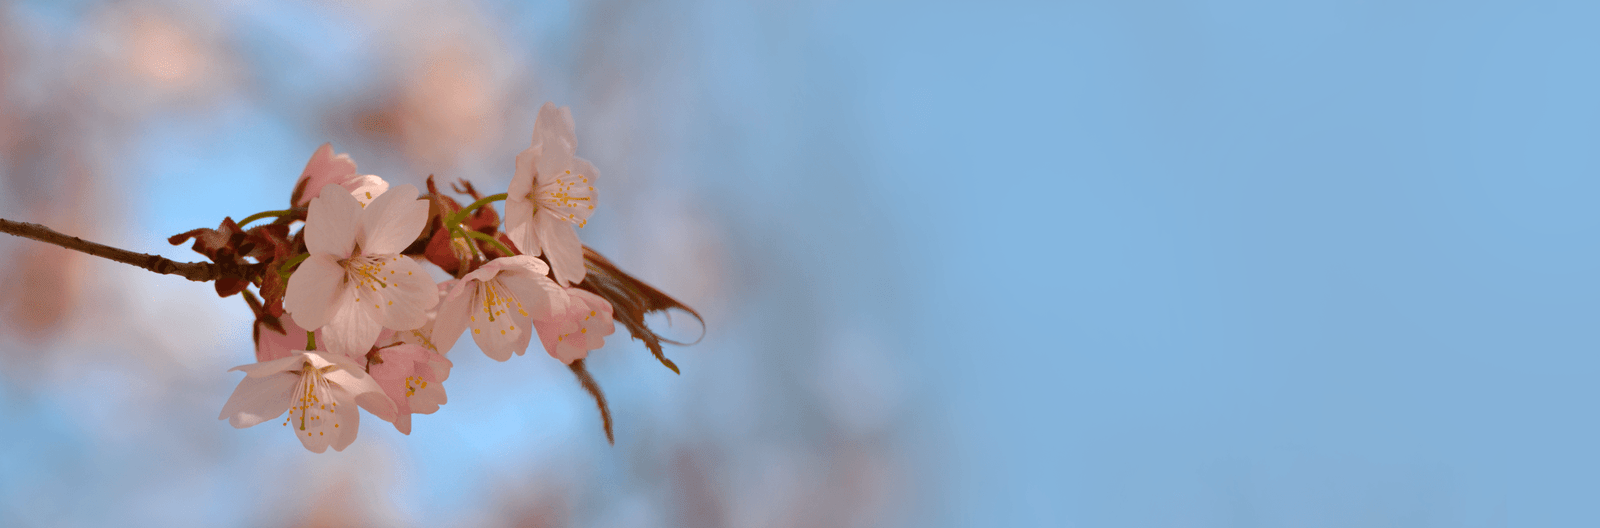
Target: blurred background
[1223, 263]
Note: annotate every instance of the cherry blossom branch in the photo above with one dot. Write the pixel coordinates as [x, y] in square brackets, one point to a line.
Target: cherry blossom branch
[348, 247]
[195, 271]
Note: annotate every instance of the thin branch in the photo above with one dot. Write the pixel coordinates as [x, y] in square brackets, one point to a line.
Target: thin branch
[195, 271]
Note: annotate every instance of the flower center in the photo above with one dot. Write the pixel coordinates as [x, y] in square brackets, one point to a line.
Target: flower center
[561, 196]
[413, 383]
[314, 408]
[423, 339]
[366, 271]
[497, 300]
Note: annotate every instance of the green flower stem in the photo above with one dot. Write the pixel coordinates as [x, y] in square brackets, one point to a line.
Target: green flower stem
[459, 216]
[283, 271]
[311, 341]
[477, 252]
[489, 239]
[264, 214]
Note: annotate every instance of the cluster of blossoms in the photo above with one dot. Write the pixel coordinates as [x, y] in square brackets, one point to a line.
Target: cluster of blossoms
[347, 315]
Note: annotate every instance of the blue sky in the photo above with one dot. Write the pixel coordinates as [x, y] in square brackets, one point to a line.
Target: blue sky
[1248, 263]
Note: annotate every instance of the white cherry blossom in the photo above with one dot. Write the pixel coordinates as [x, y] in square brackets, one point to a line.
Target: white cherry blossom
[499, 302]
[552, 191]
[321, 392]
[355, 283]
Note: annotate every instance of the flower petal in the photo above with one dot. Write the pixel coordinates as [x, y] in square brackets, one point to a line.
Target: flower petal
[315, 291]
[377, 403]
[317, 428]
[366, 188]
[497, 327]
[268, 368]
[523, 180]
[397, 363]
[430, 397]
[516, 263]
[402, 423]
[561, 246]
[555, 336]
[364, 391]
[572, 196]
[425, 401]
[597, 323]
[324, 168]
[421, 336]
[405, 385]
[351, 332]
[403, 300]
[554, 164]
[332, 222]
[537, 295]
[271, 344]
[437, 368]
[356, 387]
[453, 313]
[393, 221]
[354, 367]
[519, 226]
[321, 358]
[348, 417]
[588, 319]
[554, 128]
[258, 399]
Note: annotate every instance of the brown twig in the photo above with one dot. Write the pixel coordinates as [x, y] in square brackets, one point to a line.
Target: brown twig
[195, 271]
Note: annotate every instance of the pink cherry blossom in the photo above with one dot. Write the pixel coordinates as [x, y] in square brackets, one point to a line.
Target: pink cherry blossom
[327, 169]
[499, 301]
[413, 377]
[355, 283]
[272, 345]
[581, 327]
[320, 391]
[552, 191]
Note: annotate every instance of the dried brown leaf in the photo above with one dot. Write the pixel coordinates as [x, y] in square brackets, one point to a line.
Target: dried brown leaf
[590, 385]
[631, 299]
